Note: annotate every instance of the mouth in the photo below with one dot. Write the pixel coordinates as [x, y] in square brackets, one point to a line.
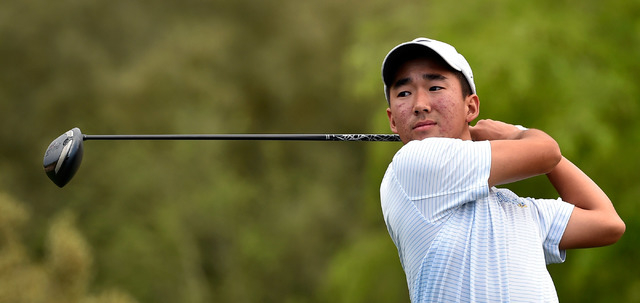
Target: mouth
[423, 125]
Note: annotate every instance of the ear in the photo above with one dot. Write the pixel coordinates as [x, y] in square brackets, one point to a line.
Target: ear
[473, 107]
[392, 122]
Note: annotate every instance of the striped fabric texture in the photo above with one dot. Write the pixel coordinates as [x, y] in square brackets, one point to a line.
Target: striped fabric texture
[461, 241]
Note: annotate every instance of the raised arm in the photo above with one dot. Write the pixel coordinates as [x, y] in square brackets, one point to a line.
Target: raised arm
[516, 154]
[519, 154]
[594, 221]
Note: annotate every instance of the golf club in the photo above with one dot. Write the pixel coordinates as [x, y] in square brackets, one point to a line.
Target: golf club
[63, 156]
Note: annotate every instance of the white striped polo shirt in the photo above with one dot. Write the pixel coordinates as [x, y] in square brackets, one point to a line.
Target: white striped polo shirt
[461, 241]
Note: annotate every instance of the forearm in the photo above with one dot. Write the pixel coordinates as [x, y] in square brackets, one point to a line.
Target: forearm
[575, 187]
[594, 221]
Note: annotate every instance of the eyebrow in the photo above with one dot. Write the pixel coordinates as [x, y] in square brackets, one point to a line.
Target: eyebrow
[406, 80]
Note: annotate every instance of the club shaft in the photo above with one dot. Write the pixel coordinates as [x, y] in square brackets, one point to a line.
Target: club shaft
[256, 137]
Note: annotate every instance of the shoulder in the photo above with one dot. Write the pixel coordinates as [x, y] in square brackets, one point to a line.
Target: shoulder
[440, 150]
[433, 143]
[440, 166]
[442, 144]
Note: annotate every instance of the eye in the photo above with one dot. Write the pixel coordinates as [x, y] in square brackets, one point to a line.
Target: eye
[435, 88]
[403, 94]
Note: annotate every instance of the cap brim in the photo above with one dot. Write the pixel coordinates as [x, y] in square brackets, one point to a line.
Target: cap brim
[406, 52]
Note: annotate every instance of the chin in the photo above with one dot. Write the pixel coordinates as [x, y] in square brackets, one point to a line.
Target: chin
[425, 135]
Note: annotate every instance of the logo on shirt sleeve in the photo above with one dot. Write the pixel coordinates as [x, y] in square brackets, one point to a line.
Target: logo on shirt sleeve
[511, 198]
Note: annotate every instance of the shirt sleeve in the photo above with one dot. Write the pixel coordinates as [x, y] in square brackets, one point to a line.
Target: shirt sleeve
[440, 174]
[553, 217]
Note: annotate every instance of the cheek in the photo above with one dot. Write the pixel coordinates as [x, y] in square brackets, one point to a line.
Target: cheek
[407, 120]
[449, 113]
[446, 109]
[402, 114]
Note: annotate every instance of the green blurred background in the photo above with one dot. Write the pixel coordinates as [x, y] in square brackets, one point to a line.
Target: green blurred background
[280, 221]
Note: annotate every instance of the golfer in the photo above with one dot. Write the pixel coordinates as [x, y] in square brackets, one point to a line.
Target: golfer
[459, 238]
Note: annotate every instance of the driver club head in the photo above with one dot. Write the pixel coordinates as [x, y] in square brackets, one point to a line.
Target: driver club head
[63, 157]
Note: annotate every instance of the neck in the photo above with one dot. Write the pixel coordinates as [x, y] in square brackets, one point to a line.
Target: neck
[466, 133]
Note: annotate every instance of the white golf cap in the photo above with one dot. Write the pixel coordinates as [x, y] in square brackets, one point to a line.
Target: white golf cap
[399, 55]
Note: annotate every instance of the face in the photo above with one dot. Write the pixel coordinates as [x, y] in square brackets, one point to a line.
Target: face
[425, 100]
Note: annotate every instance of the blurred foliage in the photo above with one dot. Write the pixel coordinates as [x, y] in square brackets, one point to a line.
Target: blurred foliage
[65, 272]
[279, 221]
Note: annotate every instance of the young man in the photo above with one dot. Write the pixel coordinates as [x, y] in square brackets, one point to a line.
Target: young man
[460, 238]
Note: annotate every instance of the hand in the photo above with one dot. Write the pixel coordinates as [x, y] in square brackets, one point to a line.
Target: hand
[494, 130]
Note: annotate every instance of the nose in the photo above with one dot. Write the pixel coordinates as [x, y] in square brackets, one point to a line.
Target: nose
[422, 103]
